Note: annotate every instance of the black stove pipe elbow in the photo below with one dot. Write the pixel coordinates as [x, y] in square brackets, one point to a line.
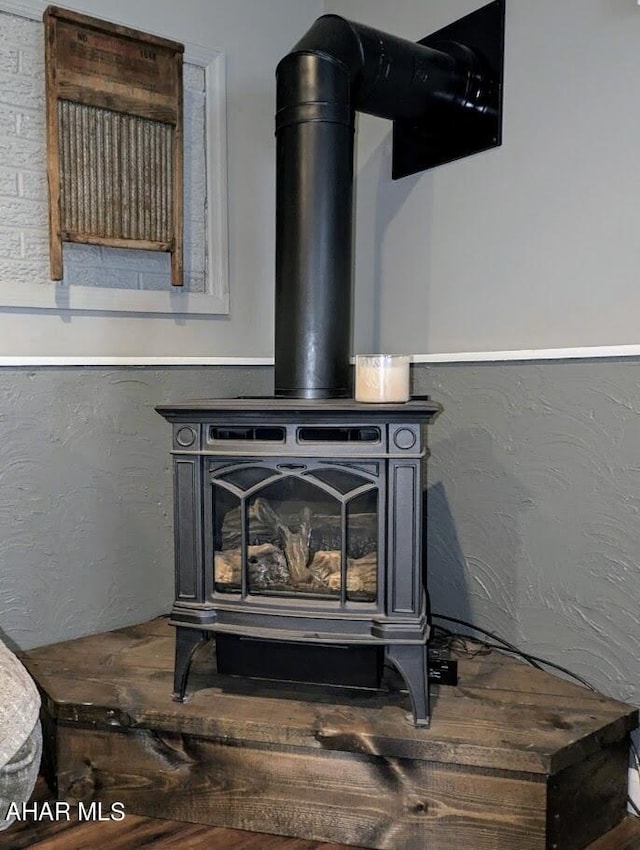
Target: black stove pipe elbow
[339, 67]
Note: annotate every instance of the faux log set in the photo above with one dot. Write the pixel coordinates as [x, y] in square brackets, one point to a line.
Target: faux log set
[305, 560]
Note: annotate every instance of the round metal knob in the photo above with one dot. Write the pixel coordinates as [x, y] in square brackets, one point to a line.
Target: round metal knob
[404, 438]
[185, 437]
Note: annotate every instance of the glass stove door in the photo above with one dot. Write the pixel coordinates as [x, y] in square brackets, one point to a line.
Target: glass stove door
[297, 529]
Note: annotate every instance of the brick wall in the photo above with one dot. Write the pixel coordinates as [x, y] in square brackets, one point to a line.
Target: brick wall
[24, 238]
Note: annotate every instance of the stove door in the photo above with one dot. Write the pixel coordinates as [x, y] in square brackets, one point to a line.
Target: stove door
[299, 528]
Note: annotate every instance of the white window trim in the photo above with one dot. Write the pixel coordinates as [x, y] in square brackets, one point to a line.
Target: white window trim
[59, 296]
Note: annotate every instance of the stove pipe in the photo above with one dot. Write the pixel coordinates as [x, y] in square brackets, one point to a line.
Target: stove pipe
[339, 67]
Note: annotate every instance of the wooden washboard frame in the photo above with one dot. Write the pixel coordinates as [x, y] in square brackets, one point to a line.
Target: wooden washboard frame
[114, 138]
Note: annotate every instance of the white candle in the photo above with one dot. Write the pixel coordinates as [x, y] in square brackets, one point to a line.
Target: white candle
[382, 378]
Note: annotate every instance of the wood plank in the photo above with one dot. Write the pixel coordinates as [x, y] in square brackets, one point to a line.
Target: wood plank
[463, 731]
[117, 98]
[496, 670]
[495, 681]
[502, 766]
[97, 57]
[588, 799]
[376, 802]
[177, 211]
[136, 831]
[53, 154]
[87, 21]
[320, 726]
[499, 729]
[172, 835]
[116, 242]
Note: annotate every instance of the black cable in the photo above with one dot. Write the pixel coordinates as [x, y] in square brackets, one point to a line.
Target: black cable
[633, 806]
[533, 660]
[544, 661]
[492, 635]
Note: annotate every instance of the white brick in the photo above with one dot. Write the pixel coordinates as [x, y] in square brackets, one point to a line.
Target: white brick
[24, 271]
[195, 170]
[20, 153]
[10, 243]
[194, 149]
[9, 60]
[195, 245]
[162, 283]
[194, 102]
[8, 121]
[23, 213]
[8, 182]
[193, 78]
[195, 184]
[194, 258]
[14, 29]
[36, 245]
[20, 92]
[194, 118]
[100, 276]
[31, 63]
[77, 256]
[16, 90]
[31, 127]
[196, 283]
[33, 184]
[155, 282]
[155, 262]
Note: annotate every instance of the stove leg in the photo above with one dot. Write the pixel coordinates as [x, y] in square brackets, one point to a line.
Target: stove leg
[411, 661]
[187, 641]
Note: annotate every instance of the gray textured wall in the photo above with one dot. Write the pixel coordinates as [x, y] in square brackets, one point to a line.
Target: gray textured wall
[534, 502]
[534, 508]
[85, 494]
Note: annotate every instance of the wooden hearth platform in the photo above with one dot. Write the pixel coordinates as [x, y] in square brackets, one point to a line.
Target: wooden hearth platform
[515, 759]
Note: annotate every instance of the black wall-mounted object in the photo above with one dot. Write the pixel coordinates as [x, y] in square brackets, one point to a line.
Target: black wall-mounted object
[444, 95]
[437, 139]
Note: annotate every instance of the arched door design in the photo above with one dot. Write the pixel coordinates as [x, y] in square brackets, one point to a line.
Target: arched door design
[303, 529]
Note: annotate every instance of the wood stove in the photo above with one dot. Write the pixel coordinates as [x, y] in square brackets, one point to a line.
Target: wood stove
[300, 522]
[299, 518]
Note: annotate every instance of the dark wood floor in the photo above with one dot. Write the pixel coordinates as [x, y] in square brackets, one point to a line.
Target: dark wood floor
[625, 837]
[135, 832]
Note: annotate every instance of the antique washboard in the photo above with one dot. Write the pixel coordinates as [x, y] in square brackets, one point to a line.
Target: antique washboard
[114, 135]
